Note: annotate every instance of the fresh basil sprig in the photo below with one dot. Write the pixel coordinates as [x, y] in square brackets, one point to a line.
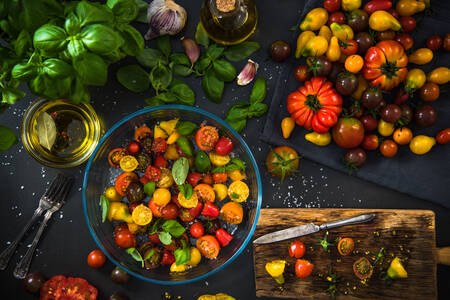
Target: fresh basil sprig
[166, 229]
[136, 255]
[182, 254]
[180, 170]
[104, 204]
[236, 164]
[186, 190]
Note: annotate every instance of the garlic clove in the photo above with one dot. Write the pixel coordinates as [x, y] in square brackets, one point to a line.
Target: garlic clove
[191, 49]
[248, 73]
[165, 17]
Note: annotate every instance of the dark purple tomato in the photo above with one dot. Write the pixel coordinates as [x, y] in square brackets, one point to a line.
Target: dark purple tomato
[321, 66]
[386, 35]
[118, 296]
[119, 276]
[33, 282]
[425, 116]
[434, 42]
[407, 114]
[355, 157]
[365, 41]
[280, 51]
[346, 83]
[369, 122]
[336, 68]
[391, 113]
[371, 98]
[358, 20]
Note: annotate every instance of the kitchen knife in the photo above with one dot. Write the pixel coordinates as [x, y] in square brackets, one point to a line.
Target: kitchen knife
[302, 230]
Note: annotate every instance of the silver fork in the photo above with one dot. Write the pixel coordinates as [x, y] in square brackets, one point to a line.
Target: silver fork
[45, 203]
[23, 266]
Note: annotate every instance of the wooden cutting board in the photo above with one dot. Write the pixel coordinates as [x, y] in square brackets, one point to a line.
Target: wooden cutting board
[406, 233]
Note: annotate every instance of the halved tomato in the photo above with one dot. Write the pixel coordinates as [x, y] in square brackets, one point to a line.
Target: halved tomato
[142, 133]
[206, 138]
[205, 192]
[123, 180]
[60, 287]
[208, 246]
[115, 156]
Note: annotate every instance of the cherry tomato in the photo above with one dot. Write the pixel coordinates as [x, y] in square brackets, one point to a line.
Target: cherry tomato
[394, 13]
[170, 211]
[207, 179]
[386, 35]
[205, 192]
[123, 181]
[132, 206]
[405, 39]
[33, 282]
[301, 73]
[120, 227]
[348, 47]
[434, 42]
[354, 63]
[160, 161]
[223, 237]
[196, 211]
[220, 177]
[303, 268]
[125, 239]
[134, 148]
[280, 51]
[355, 158]
[206, 138]
[345, 246]
[336, 17]
[154, 238]
[96, 259]
[297, 249]
[356, 110]
[348, 133]
[155, 208]
[142, 133]
[208, 246]
[115, 156]
[391, 113]
[401, 96]
[232, 212]
[193, 178]
[369, 122]
[429, 92]
[443, 136]
[153, 173]
[167, 257]
[408, 23]
[363, 268]
[224, 146]
[197, 230]
[370, 142]
[159, 145]
[332, 5]
[425, 115]
[388, 148]
[402, 136]
[446, 42]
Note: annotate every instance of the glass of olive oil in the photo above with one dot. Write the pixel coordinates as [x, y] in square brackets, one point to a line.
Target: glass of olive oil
[60, 134]
[229, 22]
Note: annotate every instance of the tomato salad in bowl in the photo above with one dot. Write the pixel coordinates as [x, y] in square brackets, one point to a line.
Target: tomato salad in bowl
[175, 198]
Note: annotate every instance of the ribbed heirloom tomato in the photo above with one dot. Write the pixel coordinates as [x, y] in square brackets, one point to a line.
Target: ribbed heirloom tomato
[315, 105]
[385, 64]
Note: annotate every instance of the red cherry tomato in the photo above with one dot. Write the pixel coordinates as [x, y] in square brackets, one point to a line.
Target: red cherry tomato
[297, 249]
[345, 246]
[370, 142]
[155, 208]
[303, 268]
[408, 23]
[369, 122]
[207, 179]
[197, 230]
[374, 5]
[132, 206]
[349, 47]
[223, 237]
[224, 146]
[153, 173]
[96, 259]
[443, 137]
[388, 148]
[337, 17]
[394, 13]
[159, 145]
[434, 42]
[332, 5]
[170, 211]
[123, 181]
[405, 39]
[120, 227]
[301, 73]
[154, 238]
[193, 178]
[220, 177]
[167, 257]
[134, 148]
[210, 210]
[196, 211]
[206, 138]
[401, 97]
[125, 239]
[160, 161]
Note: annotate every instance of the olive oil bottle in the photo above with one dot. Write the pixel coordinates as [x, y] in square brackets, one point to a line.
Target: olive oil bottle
[229, 22]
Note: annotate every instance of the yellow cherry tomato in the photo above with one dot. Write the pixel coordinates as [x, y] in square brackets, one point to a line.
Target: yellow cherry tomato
[349, 5]
[174, 268]
[169, 126]
[325, 32]
[402, 136]
[166, 180]
[333, 51]
[173, 138]
[238, 191]
[354, 63]
[320, 139]
[133, 228]
[342, 31]
[385, 128]
[219, 296]
[314, 19]
[421, 56]
[112, 194]
[316, 46]
[220, 190]
[128, 163]
[236, 175]
[162, 196]
[414, 80]
[421, 144]
[218, 160]
[302, 39]
[196, 257]
[362, 86]
[275, 269]
[381, 20]
[188, 203]
[142, 215]
[118, 211]
[171, 152]
[287, 125]
[439, 75]
[409, 7]
[159, 133]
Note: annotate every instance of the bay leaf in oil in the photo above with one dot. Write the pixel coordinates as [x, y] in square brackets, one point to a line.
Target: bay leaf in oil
[46, 130]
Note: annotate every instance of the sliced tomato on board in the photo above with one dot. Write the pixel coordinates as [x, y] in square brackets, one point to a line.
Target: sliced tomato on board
[62, 288]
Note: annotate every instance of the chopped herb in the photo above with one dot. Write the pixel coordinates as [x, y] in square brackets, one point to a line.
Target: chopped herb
[234, 195]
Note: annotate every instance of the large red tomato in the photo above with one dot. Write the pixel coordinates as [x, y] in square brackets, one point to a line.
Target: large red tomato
[348, 133]
[385, 64]
[315, 105]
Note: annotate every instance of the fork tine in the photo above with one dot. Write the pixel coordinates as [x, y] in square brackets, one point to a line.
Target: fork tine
[55, 183]
[61, 197]
[64, 181]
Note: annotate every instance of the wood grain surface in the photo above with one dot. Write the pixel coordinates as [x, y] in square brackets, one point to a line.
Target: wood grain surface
[409, 234]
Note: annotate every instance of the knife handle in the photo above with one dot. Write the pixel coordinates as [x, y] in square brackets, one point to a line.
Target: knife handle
[362, 218]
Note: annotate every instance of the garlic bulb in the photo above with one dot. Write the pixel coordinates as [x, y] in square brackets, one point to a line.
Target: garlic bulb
[164, 17]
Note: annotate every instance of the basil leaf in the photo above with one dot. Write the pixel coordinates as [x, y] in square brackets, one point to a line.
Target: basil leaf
[72, 24]
[11, 95]
[224, 70]
[232, 167]
[133, 41]
[239, 163]
[257, 110]
[168, 97]
[91, 69]
[57, 68]
[202, 64]
[186, 128]
[181, 70]
[80, 93]
[104, 203]
[180, 170]
[101, 39]
[125, 11]
[200, 36]
[237, 125]
[156, 226]
[183, 254]
[186, 190]
[135, 255]
[134, 78]
[160, 77]
[163, 44]
[7, 138]
[214, 51]
[259, 91]
[149, 254]
[93, 13]
[219, 170]
[50, 38]
[76, 48]
[238, 111]
[22, 43]
[37, 84]
[183, 93]
[165, 237]
[180, 59]
[149, 57]
[212, 86]
[113, 56]
[24, 72]
[149, 188]
[241, 51]
[142, 14]
[154, 101]
[173, 227]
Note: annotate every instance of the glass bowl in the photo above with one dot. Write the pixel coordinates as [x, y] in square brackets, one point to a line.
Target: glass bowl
[99, 175]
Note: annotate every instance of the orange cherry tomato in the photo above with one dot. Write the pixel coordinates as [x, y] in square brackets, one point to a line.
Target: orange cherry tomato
[443, 137]
[155, 208]
[206, 138]
[345, 246]
[208, 246]
[403, 135]
[388, 148]
[232, 213]
[354, 63]
[123, 181]
[205, 192]
[141, 133]
[220, 177]
[207, 179]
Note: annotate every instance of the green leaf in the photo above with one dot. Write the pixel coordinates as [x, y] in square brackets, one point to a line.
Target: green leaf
[173, 227]
[259, 91]
[219, 170]
[100, 38]
[35, 13]
[180, 170]
[72, 24]
[149, 57]
[237, 116]
[80, 93]
[50, 38]
[237, 125]
[23, 43]
[186, 128]
[165, 237]
[183, 93]
[160, 77]
[202, 162]
[163, 44]
[154, 228]
[135, 255]
[201, 37]
[180, 59]
[202, 64]
[7, 138]
[149, 254]
[134, 78]
[257, 110]
[212, 86]
[125, 11]
[238, 162]
[142, 15]
[11, 95]
[241, 51]
[214, 51]
[91, 69]
[104, 204]
[186, 190]
[133, 41]
[76, 48]
[24, 71]
[57, 68]
[93, 13]
[182, 254]
[224, 70]
[149, 188]
[181, 70]
[154, 101]
[167, 97]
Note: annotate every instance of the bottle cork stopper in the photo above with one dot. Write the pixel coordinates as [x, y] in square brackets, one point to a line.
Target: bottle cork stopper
[225, 5]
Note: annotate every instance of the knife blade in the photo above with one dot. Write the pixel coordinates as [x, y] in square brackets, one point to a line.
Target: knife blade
[306, 229]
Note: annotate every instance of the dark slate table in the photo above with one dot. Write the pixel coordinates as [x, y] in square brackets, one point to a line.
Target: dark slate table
[66, 242]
